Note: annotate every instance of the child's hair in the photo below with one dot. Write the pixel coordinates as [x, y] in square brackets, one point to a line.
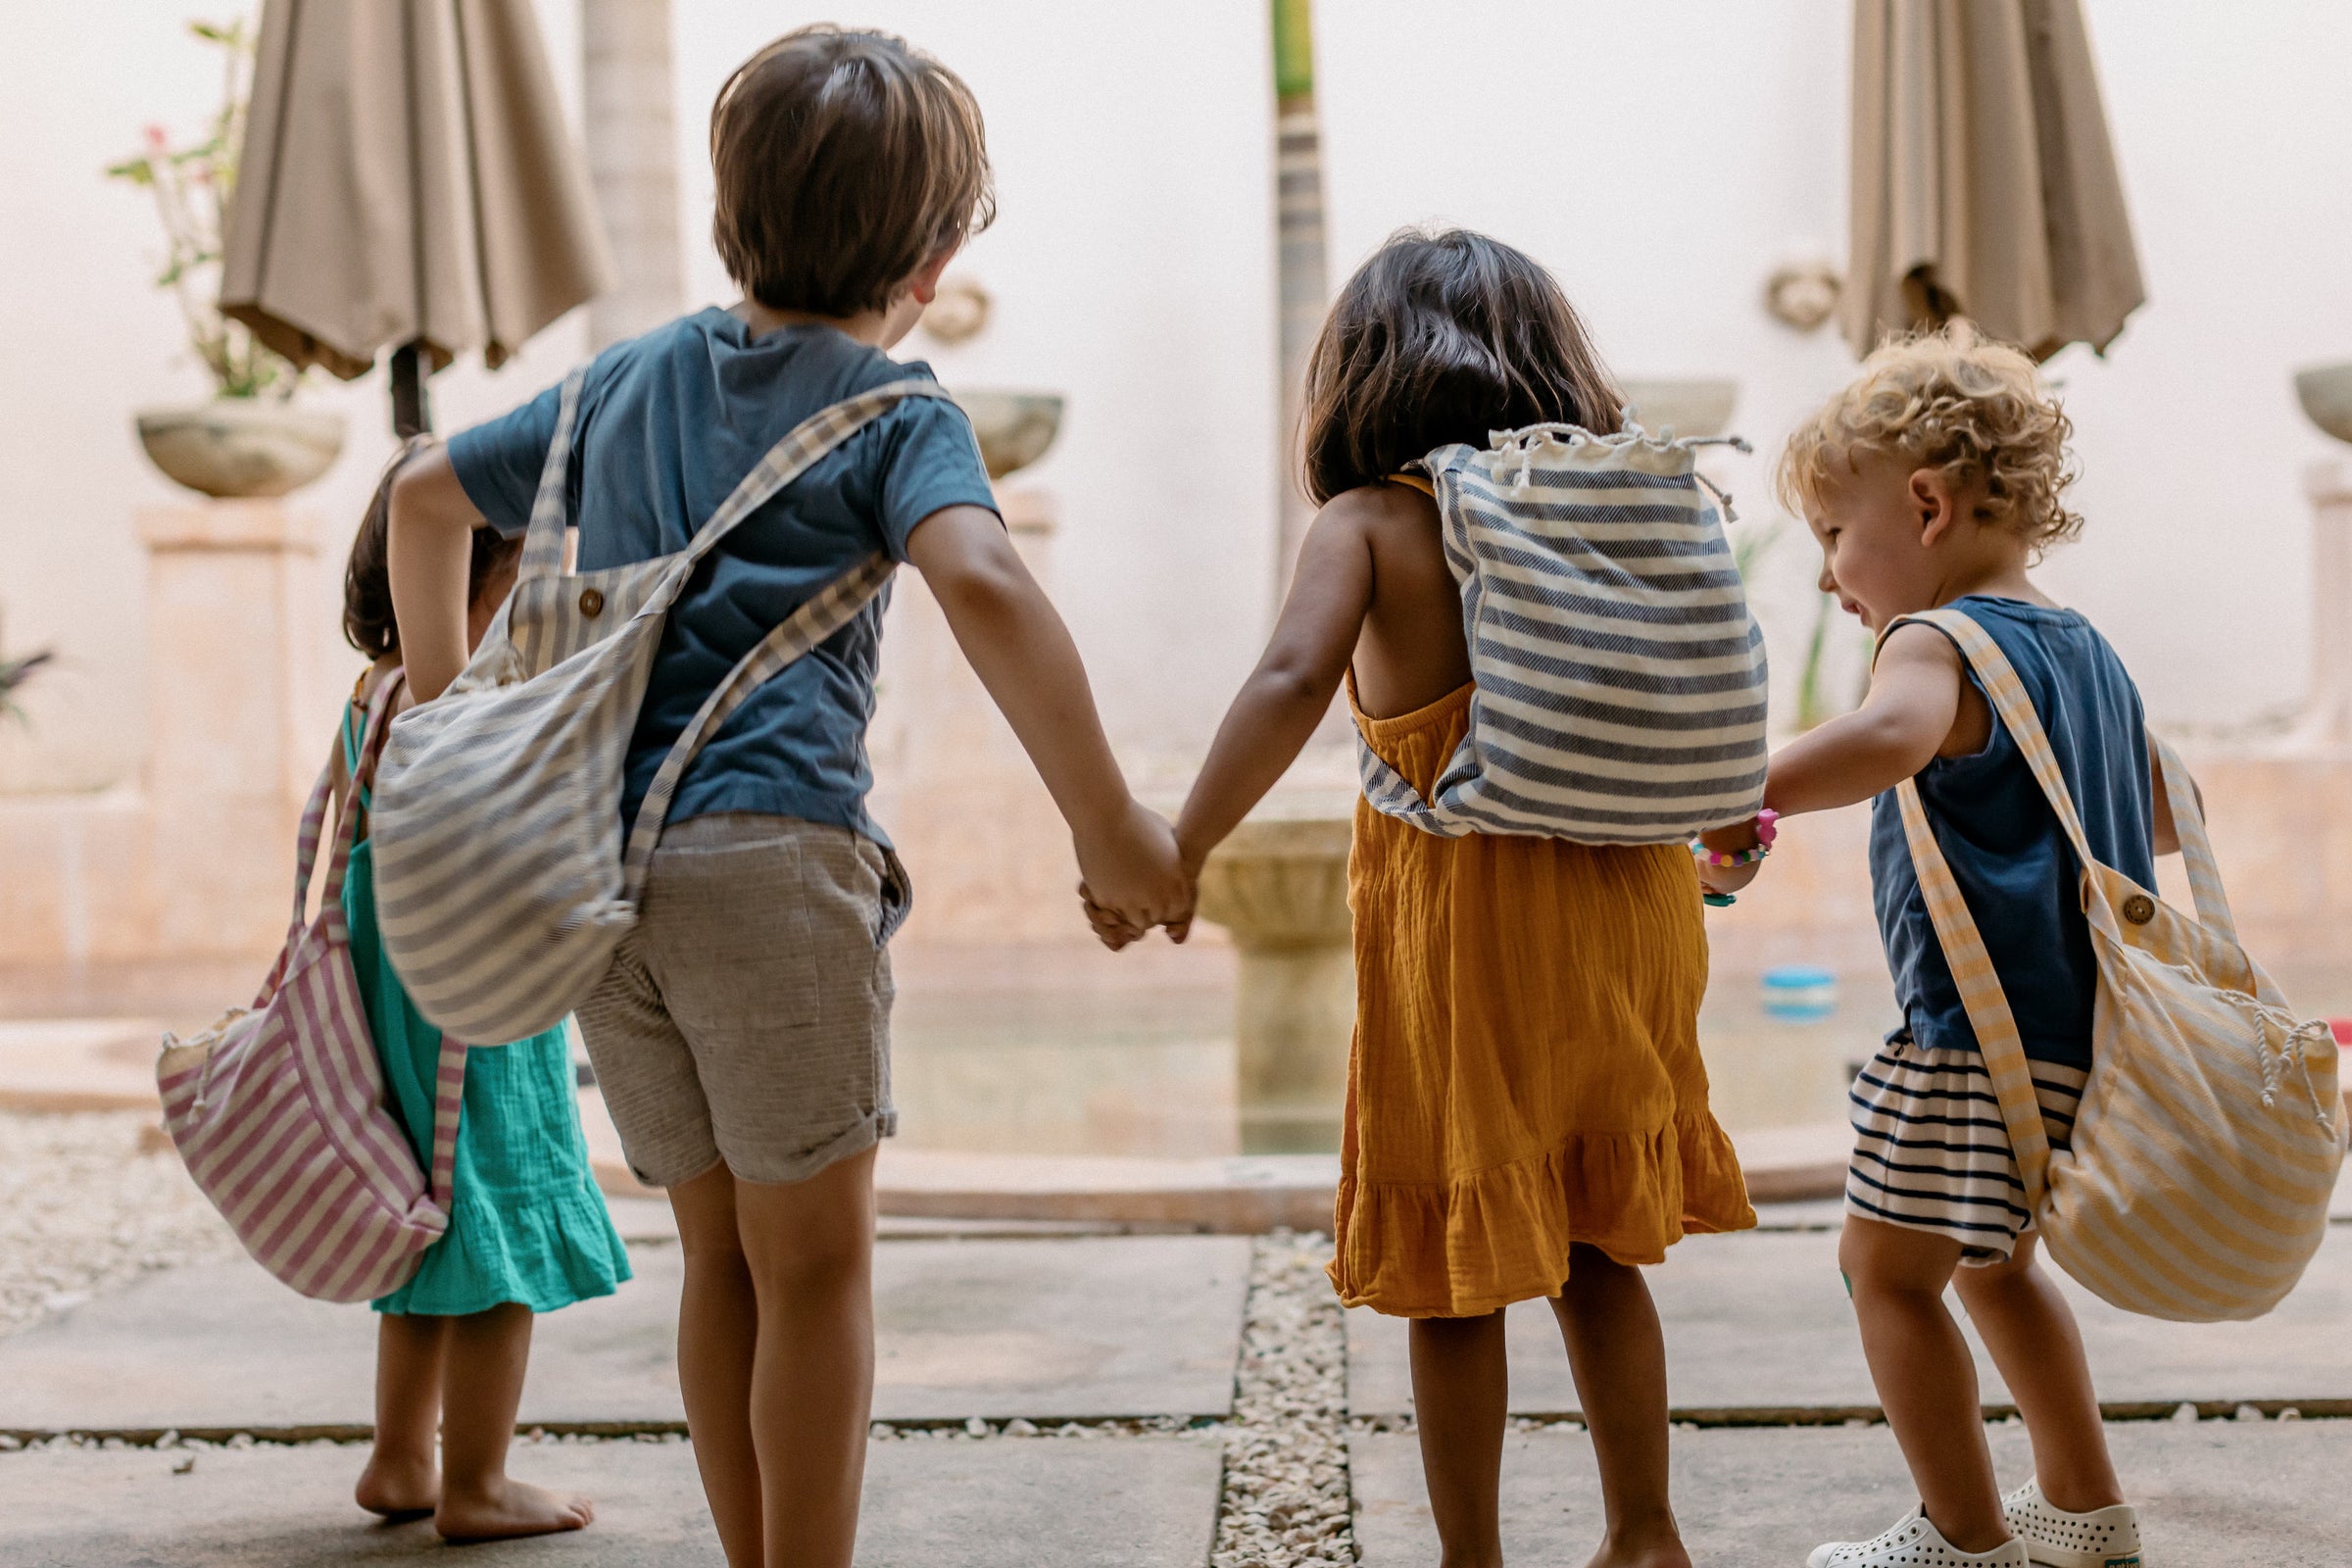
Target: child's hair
[367, 624]
[1443, 336]
[845, 162]
[1949, 400]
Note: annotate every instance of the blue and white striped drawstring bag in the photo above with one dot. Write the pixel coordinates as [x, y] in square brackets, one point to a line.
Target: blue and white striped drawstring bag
[1620, 678]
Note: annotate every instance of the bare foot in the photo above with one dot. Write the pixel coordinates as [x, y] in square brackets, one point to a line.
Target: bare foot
[1668, 1554]
[507, 1509]
[398, 1488]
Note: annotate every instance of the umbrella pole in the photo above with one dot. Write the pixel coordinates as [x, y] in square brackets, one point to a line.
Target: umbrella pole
[412, 412]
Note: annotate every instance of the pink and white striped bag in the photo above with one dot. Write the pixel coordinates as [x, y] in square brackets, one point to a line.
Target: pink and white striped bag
[279, 1109]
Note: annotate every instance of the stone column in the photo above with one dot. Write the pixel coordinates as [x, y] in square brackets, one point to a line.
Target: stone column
[238, 719]
[2328, 716]
[1279, 885]
[633, 163]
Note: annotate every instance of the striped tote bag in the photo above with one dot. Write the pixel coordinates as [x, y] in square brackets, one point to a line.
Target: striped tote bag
[2207, 1143]
[503, 885]
[1620, 678]
[279, 1109]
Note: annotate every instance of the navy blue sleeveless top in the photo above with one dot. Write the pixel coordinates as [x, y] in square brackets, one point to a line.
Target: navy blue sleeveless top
[2020, 877]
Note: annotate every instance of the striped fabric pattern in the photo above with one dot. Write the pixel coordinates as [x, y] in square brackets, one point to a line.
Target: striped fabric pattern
[1620, 679]
[1931, 1151]
[2207, 1145]
[502, 881]
[279, 1110]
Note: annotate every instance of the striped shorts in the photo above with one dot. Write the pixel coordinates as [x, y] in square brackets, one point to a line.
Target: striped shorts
[1931, 1152]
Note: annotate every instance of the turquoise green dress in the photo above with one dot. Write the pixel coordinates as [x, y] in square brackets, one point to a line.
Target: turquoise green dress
[526, 1222]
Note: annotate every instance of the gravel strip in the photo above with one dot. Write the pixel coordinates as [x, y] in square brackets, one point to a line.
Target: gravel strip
[1287, 1500]
[82, 1209]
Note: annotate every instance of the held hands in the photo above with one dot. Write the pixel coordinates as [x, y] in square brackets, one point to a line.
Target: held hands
[1730, 856]
[1134, 879]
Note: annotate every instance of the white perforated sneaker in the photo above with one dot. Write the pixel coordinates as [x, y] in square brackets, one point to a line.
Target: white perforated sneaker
[2106, 1537]
[1914, 1543]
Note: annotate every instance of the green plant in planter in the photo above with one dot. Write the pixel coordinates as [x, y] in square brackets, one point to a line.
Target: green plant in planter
[193, 185]
[14, 673]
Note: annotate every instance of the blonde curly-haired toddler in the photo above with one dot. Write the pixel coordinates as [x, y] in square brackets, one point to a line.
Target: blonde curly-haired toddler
[1936, 479]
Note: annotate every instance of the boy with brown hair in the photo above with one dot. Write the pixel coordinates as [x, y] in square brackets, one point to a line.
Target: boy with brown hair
[742, 1035]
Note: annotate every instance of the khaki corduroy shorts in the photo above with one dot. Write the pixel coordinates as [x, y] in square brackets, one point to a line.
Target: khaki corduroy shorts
[747, 1016]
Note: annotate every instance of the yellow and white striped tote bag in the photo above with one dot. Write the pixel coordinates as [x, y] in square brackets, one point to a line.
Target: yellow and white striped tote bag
[2208, 1141]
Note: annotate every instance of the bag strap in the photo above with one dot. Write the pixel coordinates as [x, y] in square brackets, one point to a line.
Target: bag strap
[1981, 993]
[2016, 712]
[313, 831]
[834, 606]
[819, 618]
[543, 540]
[347, 823]
[449, 1101]
[800, 449]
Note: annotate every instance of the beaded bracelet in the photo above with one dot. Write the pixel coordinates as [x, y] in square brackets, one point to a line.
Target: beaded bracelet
[1766, 831]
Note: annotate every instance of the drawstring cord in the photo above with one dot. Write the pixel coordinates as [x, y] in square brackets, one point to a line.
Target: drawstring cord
[1524, 443]
[2294, 1037]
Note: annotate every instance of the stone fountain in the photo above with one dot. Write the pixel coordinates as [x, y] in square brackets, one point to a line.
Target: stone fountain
[1279, 886]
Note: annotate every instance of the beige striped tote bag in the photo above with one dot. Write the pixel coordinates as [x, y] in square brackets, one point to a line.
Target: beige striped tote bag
[502, 881]
[2208, 1142]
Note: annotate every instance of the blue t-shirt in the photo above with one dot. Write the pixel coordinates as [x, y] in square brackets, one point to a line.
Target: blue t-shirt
[2014, 867]
[668, 425]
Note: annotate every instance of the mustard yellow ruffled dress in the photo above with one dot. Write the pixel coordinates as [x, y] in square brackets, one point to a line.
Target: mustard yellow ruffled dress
[1526, 1071]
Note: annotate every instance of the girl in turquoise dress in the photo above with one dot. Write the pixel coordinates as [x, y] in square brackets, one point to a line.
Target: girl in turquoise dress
[528, 1230]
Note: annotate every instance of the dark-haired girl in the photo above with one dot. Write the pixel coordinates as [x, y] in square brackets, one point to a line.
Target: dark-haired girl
[528, 1230]
[1527, 1113]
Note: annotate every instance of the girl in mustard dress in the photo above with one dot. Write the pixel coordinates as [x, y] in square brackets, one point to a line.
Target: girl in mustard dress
[1527, 1113]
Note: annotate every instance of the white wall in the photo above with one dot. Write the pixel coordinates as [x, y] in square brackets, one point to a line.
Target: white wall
[85, 340]
[1661, 160]
[1132, 269]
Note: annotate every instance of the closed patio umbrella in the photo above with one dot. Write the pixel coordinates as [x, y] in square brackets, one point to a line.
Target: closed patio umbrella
[407, 182]
[1984, 185]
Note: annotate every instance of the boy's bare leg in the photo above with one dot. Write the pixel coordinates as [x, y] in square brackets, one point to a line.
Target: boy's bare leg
[1618, 1354]
[482, 1386]
[403, 1480]
[1926, 1380]
[718, 1330]
[810, 1247]
[1461, 1391]
[2030, 1332]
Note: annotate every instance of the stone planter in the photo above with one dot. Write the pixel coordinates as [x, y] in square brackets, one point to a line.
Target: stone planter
[1280, 886]
[2326, 393]
[241, 448]
[1013, 428]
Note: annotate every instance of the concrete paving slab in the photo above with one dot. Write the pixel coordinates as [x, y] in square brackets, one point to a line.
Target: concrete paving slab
[1048, 1503]
[2210, 1495]
[1760, 1322]
[1049, 1329]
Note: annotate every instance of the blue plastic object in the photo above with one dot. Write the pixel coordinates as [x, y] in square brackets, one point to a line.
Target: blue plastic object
[1799, 992]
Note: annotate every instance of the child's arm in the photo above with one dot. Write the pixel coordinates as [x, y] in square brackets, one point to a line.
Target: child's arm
[1287, 696]
[1023, 654]
[428, 549]
[1915, 711]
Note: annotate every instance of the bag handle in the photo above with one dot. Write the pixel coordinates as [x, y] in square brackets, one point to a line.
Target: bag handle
[2016, 712]
[543, 540]
[347, 821]
[833, 607]
[449, 1101]
[1980, 994]
[314, 829]
[803, 447]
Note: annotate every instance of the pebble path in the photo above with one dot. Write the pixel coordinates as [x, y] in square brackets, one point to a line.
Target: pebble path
[83, 1209]
[87, 1202]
